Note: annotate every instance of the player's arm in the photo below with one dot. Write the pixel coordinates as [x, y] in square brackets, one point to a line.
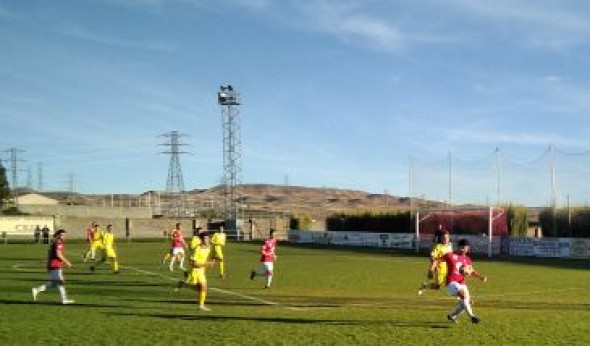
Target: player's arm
[63, 258]
[478, 275]
[434, 262]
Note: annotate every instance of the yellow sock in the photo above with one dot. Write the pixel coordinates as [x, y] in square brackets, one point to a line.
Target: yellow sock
[221, 268]
[202, 296]
[115, 265]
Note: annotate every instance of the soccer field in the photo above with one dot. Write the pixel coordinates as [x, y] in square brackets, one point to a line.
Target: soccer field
[319, 296]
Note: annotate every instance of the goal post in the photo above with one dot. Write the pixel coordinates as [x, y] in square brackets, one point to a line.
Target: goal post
[482, 226]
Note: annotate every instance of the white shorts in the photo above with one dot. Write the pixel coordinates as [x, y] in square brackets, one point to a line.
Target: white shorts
[268, 266]
[56, 275]
[455, 287]
[177, 251]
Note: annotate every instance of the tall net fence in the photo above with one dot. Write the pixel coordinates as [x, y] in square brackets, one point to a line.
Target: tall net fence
[554, 176]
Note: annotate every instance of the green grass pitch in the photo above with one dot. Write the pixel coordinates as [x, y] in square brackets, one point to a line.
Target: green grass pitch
[319, 297]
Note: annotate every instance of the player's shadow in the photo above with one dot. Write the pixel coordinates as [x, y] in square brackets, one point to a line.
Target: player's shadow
[291, 320]
[57, 303]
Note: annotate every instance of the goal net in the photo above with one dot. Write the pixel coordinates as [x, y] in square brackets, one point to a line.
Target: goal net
[483, 227]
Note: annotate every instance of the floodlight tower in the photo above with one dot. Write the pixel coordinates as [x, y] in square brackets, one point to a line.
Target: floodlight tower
[229, 100]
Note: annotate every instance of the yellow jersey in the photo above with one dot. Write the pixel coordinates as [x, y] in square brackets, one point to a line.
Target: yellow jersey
[201, 255]
[195, 242]
[218, 239]
[97, 235]
[108, 239]
[439, 250]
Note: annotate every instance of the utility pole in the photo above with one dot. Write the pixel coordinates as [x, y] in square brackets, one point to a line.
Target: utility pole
[14, 160]
[175, 181]
[70, 188]
[30, 177]
[39, 176]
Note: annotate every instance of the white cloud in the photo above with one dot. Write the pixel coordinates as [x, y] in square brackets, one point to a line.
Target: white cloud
[83, 34]
[544, 23]
[349, 23]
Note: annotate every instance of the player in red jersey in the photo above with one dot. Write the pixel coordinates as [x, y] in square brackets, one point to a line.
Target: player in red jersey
[90, 231]
[177, 247]
[267, 252]
[459, 265]
[56, 259]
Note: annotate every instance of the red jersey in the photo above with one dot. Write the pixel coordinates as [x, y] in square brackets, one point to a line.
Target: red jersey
[454, 264]
[268, 250]
[53, 261]
[177, 239]
[90, 234]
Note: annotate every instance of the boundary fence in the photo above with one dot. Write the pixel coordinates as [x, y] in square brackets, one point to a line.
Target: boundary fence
[577, 248]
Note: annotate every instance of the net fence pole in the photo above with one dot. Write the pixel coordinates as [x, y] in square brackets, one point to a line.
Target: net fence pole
[417, 231]
[490, 230]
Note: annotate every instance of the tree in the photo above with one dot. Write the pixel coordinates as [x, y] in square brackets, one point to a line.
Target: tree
[4, 188]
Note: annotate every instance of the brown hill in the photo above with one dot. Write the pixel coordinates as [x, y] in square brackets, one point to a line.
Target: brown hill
[315, 202]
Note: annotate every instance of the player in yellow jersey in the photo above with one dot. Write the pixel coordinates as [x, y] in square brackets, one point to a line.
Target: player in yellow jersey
[437, 271]
[199, 261]
[218, 242]
[108, 241]
[196, 241]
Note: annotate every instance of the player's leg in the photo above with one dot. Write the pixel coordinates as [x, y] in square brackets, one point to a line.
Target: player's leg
[102, 260]
[87, 254]
[181, 259]
[36, 290]
[202, 289]
[465, 297]
[441, 277]
[112, 256]
[57, 280]
[167, 256]
[219, 258]
[268, 266]
[454, 289]
[173, 259]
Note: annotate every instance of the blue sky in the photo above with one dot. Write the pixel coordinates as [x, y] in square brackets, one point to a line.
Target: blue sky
[335, 93]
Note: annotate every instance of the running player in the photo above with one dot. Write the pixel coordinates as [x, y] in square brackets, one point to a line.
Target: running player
[197, 279]
[90, 233]
[460, 265]
[196, 241]
[437, 270]
[267, 252]
[218, 242]
[177, 251]
[56, 259]
[108, 241]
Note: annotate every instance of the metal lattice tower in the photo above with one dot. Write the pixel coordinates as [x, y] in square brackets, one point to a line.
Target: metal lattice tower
[175, 182]
[14, 160]
[229, 100]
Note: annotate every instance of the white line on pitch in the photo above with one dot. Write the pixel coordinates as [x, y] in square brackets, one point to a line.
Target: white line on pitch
[244, 296]
[531, 292]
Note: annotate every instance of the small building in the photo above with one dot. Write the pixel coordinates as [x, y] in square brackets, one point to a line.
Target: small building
[36, 199]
